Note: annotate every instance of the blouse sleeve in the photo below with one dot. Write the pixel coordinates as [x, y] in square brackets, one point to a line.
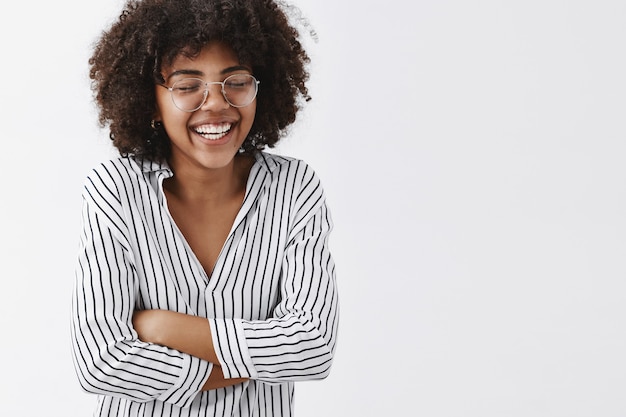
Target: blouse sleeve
[298, 342]
[109, 358]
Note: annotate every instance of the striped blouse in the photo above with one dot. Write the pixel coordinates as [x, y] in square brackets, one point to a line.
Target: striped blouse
[271, 300]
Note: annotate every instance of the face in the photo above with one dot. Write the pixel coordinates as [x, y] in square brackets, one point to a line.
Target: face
[209, 137]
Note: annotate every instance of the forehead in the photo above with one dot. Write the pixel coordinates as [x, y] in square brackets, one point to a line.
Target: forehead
[213, 57]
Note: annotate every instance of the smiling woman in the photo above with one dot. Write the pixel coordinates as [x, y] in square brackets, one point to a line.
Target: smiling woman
[151, 35]
[204, 281]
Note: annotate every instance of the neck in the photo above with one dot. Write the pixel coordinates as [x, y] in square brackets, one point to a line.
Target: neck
[208, 186]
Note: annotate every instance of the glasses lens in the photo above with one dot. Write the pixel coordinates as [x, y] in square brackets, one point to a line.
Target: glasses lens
[188, 94]
[240, 89]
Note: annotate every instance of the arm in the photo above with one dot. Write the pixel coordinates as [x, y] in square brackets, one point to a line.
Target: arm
[185, 333]
[109, 357]
[298, 341]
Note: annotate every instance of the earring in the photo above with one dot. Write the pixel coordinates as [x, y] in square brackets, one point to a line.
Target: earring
[156, 127]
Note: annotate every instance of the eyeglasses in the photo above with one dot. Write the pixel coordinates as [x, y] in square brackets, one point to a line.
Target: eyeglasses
[189, 94]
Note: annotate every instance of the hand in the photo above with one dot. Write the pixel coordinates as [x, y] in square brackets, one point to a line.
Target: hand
[216, 380]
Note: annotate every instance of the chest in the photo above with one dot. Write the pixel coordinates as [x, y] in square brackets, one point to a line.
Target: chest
[205, 228]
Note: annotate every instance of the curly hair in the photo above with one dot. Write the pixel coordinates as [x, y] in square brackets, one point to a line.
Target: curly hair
[150, 34]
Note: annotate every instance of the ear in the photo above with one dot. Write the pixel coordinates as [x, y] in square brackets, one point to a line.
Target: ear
[157, 120]
[156, 116]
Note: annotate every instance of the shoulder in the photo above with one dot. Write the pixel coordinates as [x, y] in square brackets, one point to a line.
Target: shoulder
[285, 168]
[111, 179]
[293, 177]
[113, 168]
[109, 173]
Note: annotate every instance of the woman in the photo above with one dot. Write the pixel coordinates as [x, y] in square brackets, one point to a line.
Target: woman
[204, 284]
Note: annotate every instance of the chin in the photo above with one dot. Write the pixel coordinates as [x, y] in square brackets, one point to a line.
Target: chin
[218, 160]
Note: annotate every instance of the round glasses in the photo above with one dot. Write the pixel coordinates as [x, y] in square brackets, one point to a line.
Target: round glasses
[189, 94]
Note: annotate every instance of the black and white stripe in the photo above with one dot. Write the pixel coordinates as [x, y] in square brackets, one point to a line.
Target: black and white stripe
[271, 300]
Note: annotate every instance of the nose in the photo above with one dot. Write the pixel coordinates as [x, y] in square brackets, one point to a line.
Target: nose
[215, 99]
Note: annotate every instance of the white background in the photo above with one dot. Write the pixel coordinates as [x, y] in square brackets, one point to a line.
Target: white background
[473, 156]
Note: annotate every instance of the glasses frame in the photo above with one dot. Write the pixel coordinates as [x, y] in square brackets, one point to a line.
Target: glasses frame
[206, 90]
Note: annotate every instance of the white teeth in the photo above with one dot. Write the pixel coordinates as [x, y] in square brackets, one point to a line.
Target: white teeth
[214, 131]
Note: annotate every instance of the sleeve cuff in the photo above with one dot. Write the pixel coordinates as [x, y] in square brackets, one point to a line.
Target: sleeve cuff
[194, 374]
[231, 348]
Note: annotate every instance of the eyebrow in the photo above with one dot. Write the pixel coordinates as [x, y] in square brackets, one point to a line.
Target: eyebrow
[200, 73]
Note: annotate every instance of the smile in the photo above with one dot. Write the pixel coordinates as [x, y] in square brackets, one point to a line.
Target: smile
[213, 131]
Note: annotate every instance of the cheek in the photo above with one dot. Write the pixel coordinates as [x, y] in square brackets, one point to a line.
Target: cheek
[158, 94]
[250, 113]
[172, 118]
[164, 106]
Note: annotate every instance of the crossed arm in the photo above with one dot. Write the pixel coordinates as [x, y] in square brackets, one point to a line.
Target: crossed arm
[185, 333]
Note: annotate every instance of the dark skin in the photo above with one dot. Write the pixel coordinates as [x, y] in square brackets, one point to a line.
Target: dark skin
[206, 220]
